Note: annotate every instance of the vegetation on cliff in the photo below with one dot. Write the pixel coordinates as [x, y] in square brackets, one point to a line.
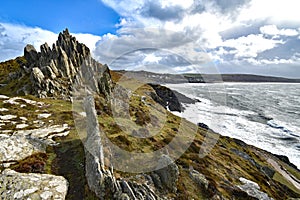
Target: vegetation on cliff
[230, 170]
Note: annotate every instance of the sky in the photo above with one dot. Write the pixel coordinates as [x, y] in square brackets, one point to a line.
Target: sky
[168, 36]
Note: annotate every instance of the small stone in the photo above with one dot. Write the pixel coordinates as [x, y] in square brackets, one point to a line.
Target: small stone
[19, 195]
[23, 118]
[20, 126]
[43, 115]
[3, 97]
[7, 117]
[3, 109]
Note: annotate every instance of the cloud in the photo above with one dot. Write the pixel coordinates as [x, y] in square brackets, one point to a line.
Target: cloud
[14, 37]
[155, 10]
[273, 30]
[88, 39]
[251, 45]
[277, 12]
[233, 32]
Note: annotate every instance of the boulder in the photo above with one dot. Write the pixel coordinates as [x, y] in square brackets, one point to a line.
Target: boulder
[14, 185]
[199, 179]
[253, 189]
[30, 54]
[169, 174]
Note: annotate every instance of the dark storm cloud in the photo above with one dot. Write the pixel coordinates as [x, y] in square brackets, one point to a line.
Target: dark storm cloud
[223, 6]
[227, 6]
[242, 30]
[155, 10]
[136, 60]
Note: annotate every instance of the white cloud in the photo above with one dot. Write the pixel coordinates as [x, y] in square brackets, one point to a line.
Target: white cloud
[88, 39]
[251, 45]
[266, 26]
[273, 30]
[278, 11]
[13, 39]
[151, 58]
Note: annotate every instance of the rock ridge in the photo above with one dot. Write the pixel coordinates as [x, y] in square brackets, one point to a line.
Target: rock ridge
[53, 72]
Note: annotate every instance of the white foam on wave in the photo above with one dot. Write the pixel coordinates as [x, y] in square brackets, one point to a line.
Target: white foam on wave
[276, 136]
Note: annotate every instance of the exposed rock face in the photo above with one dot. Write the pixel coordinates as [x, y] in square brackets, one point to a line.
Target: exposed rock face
[53, 71]
[170, 99]
[199, 179]
[30, 53]
[253, 189]
[14, 185]
[100, 179]
[168, 175]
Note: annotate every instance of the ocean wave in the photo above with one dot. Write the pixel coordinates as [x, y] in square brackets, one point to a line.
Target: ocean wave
[253, 117]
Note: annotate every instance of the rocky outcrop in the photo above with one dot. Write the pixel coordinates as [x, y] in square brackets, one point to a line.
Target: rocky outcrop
[14, 185]
[199, 179]
[25, 135]
[253, 189]
[170, 99]
[54, 71]
[101, 179]
[168, 175]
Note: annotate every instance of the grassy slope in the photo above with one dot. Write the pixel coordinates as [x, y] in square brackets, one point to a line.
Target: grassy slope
[221, 167]
[11, 86]
[66, 159]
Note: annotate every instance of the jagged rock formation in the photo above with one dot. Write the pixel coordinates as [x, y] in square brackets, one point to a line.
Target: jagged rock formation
[170, 99]
[168, 175]
[67, 67]
[102, 181]
[53, 71]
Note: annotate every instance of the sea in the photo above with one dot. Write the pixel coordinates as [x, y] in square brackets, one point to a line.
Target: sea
[265, 115]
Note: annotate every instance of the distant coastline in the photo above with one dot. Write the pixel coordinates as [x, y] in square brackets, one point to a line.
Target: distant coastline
[151, 77]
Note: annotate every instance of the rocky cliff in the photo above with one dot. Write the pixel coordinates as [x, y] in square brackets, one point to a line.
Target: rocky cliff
[52, 72]
[38, 137]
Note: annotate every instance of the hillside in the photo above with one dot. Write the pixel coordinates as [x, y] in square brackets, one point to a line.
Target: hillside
[72, 129]
[151, 77]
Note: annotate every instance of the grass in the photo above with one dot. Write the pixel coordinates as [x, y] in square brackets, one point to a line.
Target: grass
[67, 159]
[35, 163]
[278, 177]
[10, 66]
[221, 166]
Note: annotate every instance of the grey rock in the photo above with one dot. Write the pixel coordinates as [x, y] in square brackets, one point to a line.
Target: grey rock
[127, 189]
[14, 185]
[48, 72]
[45, 50]
[199, 179]
[156, 180]
[30, 53]
[101, 180]
[253, 189]
[123, 196]
[169, 174]
[55, 71]
[37, 77]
